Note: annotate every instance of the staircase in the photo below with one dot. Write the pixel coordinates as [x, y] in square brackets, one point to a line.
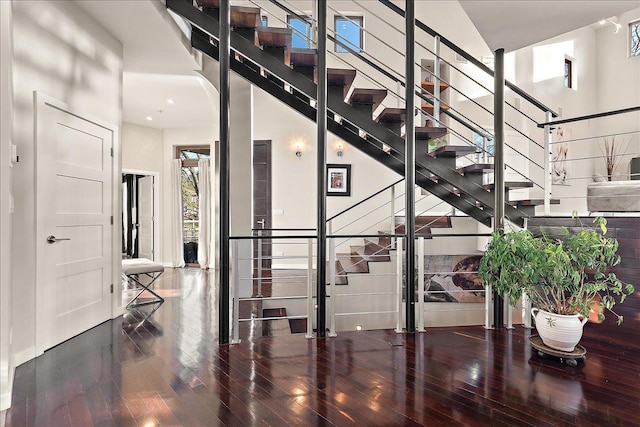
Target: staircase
[264, 56]
[357, 260]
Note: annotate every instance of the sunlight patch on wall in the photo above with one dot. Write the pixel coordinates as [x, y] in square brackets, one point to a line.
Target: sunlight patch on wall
[548, 60]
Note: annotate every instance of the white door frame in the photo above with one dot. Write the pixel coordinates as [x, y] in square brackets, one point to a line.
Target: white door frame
[156, 206]
[43, 101]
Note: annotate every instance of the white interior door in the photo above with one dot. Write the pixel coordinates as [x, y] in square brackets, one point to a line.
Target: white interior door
[74, 224]
[145, 217]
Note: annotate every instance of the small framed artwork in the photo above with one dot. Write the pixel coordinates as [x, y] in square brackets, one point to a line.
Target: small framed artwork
[338, 180]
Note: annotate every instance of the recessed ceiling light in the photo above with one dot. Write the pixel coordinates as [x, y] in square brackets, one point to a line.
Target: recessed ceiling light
[149, 118]
[171, 101]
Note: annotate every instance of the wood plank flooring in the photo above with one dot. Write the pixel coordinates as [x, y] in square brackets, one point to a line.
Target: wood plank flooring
[171, 371]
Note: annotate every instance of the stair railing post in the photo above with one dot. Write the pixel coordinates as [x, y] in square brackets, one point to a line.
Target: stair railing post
[321, 121]
[332, 282]
[309, 288]
[235, 273]
[399, 259]
[548, 153]
[421, 284]
[224, 47]
[392, 228]
[259, 264]
[498, 168]
[410, 163]
[436, 74]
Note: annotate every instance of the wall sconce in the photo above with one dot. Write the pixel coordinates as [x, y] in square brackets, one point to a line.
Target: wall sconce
[339, 151]
[298, 149]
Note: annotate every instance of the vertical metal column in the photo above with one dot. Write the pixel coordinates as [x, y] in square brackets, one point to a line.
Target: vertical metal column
[436, 83]
[548, 158]
[410, 165]
[236, 292]
[224, 47]
[259, 264]
[421, 284]
[322, 169]
[399, 284]
[498, 168]
[309, 333]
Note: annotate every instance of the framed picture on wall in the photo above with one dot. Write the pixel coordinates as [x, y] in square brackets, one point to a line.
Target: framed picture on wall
[338, 180]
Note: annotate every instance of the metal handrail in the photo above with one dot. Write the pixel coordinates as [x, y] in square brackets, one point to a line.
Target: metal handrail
[590, 116]
[365, 199]
[470, 58]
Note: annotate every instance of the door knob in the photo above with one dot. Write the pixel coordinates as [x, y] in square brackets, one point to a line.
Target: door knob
[53, 239]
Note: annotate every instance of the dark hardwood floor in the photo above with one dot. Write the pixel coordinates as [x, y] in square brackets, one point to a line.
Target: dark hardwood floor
[170, 371]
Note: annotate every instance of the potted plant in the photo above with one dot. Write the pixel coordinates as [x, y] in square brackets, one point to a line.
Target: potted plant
[563, 277]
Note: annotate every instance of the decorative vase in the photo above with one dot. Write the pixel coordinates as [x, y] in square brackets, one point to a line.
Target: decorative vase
[559, 331]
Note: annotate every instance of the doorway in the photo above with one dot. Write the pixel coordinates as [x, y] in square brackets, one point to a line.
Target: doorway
[139, 207]
[189, 157]
[75, 209]
[262, 223]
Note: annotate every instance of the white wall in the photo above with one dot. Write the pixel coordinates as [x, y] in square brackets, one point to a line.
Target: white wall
[141, 148]
[618, 86]
[81, 66]
[6, 220]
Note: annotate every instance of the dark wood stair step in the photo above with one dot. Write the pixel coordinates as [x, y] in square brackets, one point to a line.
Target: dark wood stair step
[532, 202]
[475, 168]
[276, 41]
[371, 98]
[428, 87]
[453, 151]
[428, 108]
[371, 252]
[431, 221]
[510, 185]
[428, 133]
[352, 263]
[304, 57]
[340, 80]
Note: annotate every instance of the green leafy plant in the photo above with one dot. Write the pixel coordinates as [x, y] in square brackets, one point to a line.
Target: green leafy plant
[560, 275]
[436, 143]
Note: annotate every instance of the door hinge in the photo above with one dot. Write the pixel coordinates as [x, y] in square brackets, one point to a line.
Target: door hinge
[111, 150]
[111, 219]
[112, 288]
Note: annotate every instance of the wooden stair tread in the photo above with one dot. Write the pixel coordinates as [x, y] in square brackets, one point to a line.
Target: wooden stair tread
[453, 151]
[476, 167]
[274, 37]
[510, 185]
[427, 133]
[372, 97]
[431, 221]
[392, 114]
[533, 202]
[341, 77]
[429, 107]
[241, 16]
[428, 87]
[352, 263]
[304, 57]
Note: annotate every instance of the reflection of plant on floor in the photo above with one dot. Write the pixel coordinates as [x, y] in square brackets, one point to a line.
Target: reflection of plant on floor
[612, 155]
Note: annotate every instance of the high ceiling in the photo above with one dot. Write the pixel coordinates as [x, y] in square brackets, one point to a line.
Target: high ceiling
[518, 23]
[158, 65]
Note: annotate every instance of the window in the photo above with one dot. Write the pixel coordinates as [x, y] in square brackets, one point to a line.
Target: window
[634, 38]
[568, 73]
[302, 31]
[189, 157]
[478, 140]
[264, 20]
[348, 33]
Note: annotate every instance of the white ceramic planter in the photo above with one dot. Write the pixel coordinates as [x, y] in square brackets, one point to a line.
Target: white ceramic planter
[559, 331]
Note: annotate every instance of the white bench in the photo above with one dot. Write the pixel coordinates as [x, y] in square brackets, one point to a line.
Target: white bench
[133, 268]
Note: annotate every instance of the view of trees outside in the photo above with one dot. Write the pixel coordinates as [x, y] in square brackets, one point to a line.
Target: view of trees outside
[191, 191]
